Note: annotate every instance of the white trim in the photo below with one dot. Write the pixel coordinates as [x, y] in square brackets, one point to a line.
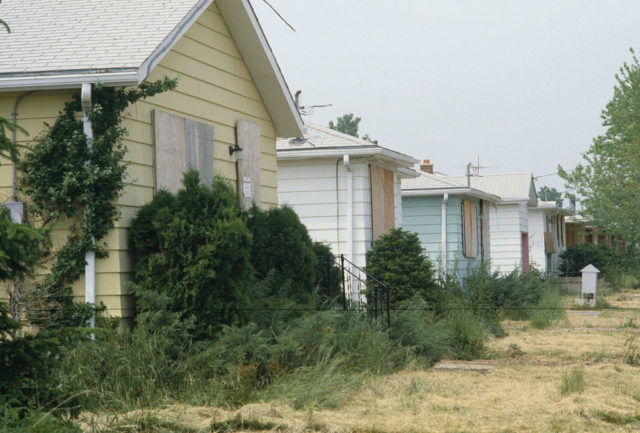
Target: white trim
[171, 39]
[246, 30]
[309, 153]
[68, 81]
[132, 78]
[452, 191]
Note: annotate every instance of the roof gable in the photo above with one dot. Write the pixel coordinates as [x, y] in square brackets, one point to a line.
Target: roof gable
[64, 43]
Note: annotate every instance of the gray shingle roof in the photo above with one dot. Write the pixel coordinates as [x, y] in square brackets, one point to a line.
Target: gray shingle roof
[326, 140]
[68, 35]
[509, 187]
[320, 136]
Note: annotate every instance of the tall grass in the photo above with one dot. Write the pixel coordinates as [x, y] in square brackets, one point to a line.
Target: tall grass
[315, 360]
[549, 308]
[572, 381]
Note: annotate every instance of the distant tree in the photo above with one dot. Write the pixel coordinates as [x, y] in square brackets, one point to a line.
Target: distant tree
[550, 194]
[369, 139]
[346, 124]
[609, 178]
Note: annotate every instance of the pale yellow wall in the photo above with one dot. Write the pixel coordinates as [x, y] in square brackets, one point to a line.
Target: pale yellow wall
[214, 86]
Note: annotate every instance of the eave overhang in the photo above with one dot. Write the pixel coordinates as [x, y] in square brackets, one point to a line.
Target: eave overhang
[430, 192]
[339, 151]
[248, 36]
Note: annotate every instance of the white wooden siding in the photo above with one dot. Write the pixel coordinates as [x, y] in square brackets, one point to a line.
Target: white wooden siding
[309, 187]
[537, 255]
[397, 197]
[506, 222]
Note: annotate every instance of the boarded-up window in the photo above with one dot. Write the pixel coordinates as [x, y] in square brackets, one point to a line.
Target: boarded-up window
[470, 228]
[484, 231]
[179, 144]
[524, 244]
[382, 201]
[248, 169]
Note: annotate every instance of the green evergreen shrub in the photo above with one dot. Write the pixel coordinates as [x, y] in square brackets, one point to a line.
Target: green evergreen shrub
[194, 247]
[328, 274]
[281, 244]
[398, 260]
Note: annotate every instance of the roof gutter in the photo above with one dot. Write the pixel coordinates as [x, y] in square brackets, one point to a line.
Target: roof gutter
[67, 81]
[453, 191]
[333, 152]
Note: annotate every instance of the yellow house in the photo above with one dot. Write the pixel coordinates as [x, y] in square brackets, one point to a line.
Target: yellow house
[230, 91]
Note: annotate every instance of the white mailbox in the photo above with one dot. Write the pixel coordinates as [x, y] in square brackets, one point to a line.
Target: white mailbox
[589, 283]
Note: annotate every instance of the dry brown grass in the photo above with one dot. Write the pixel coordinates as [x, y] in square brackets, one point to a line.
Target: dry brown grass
[519, 393]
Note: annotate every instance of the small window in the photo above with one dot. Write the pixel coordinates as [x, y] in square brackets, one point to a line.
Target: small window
[470, 229]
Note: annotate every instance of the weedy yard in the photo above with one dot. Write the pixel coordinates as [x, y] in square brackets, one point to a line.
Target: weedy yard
[581, 374]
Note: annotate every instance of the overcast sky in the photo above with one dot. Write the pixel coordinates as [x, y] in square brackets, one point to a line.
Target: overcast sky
[521, 84]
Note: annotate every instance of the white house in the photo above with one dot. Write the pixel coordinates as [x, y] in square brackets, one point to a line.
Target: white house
[345, 190]
[509, 219]
[547, 236]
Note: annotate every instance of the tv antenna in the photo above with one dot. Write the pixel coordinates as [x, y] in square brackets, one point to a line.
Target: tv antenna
[309, 109]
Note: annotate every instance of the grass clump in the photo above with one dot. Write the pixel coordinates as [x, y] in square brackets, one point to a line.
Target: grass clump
[617, 418]
[548, 309]
[238, 423]
[632, 353]
[572, 381]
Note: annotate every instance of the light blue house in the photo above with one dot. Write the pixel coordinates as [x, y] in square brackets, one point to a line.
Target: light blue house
[451, 219]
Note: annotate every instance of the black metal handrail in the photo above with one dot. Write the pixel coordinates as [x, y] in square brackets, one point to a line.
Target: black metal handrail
[376, 286]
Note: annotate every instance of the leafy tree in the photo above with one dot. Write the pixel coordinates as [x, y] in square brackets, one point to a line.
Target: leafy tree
[609, 178]
[550, 194]
[398, 260]
[194, 247]
[346, 124]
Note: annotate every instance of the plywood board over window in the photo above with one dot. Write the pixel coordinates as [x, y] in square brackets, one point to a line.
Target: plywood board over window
[484, 233]
[382, 201]
[249, 180]
[470, 228]
[179, 144]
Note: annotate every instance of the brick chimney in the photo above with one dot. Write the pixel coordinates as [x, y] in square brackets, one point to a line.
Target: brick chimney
[426, 166]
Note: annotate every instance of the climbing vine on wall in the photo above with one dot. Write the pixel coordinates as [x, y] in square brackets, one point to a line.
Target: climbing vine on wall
[66, 181]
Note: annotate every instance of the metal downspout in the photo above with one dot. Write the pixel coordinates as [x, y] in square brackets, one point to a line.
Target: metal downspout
[90, 256]
[443, 229]
[347, 165]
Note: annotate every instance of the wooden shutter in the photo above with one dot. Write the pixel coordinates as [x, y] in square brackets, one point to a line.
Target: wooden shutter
[181, 143]
[248, 169]
[485, 245]
[524, 244]
[470, 234]
[382, 201]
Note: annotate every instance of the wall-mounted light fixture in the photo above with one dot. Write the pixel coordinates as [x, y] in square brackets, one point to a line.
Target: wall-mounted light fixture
[238, 151]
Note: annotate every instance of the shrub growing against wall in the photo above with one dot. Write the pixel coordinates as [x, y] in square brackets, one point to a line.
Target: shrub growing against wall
[282, 247]
[397, 259]
[194, 247]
